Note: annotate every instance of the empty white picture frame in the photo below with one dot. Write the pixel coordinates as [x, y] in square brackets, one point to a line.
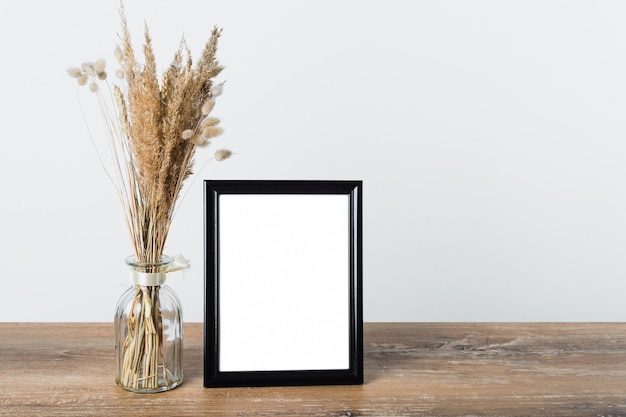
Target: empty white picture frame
[283, 300]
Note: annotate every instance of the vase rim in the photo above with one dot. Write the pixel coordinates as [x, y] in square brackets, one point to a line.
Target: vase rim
[133, 263]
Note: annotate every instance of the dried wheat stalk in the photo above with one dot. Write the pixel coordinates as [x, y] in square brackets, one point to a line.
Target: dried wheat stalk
[154, 129]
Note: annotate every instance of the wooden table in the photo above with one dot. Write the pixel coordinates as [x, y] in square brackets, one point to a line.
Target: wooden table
[411, 369]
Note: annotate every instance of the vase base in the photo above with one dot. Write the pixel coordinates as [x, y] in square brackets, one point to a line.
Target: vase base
[150, 390]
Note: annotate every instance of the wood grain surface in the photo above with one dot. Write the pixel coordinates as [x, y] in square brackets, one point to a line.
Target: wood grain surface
[411, 369]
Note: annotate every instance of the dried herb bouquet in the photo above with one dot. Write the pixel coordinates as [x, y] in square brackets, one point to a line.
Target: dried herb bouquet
[153, 128]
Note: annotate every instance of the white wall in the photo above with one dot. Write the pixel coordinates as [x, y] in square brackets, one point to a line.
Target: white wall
[490, 136]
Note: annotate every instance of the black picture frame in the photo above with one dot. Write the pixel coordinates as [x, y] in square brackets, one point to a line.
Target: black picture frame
[228, 204]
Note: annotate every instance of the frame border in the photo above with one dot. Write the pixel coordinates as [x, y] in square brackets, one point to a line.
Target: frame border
[213, 377]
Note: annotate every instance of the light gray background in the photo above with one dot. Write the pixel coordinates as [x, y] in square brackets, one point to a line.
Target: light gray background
[490, 136]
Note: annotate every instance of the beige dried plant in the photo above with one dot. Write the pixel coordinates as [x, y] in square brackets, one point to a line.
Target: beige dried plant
[154, 128]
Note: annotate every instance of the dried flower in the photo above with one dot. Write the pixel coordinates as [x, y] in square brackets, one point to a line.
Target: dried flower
[209, 121]
[120, 74]
[88, 69]
[187, 134]
[99, 66]
[217, 90]
[207, 107]
[215, 70]
[222, 154]
[199, 140]
[82, 80]
[211, 132]
[102, 75]
[127, 67]
[120, 101]
[93, 87]
[119, 55]
[74, 72]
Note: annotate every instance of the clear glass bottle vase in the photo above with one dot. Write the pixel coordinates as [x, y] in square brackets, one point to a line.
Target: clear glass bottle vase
[148, 331]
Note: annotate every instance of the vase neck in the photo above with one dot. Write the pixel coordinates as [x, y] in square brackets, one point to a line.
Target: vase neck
[148, 279]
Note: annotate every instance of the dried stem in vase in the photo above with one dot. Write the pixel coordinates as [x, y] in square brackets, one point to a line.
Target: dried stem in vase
[154, 128]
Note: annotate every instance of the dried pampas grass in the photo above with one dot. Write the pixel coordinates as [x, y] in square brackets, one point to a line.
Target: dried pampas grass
[154, 125]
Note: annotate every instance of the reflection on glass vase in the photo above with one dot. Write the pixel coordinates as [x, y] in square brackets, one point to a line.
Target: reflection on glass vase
[148, 331]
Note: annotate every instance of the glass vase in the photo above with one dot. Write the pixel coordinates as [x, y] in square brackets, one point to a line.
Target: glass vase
[148, 331]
